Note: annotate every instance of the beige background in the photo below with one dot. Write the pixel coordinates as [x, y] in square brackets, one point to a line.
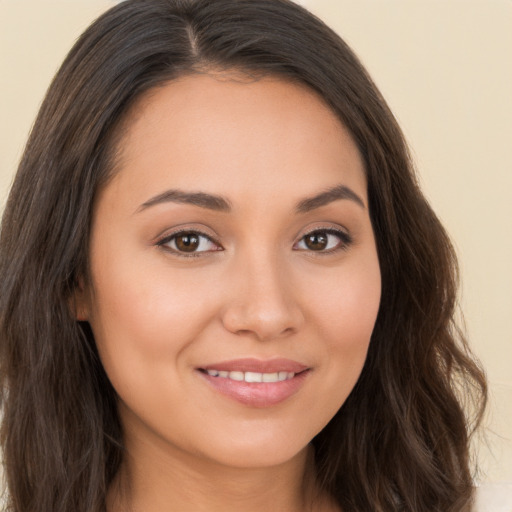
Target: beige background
[445, 67]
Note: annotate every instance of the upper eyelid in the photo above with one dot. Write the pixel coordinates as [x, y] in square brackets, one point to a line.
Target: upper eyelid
[168, 235]
[329, 229]
[325, 228]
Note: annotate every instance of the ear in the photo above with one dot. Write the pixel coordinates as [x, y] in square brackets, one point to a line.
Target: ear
[79, 302]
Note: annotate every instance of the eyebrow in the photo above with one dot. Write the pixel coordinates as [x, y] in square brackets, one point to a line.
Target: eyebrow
[328, 196]
[201, 199]
[221, 204]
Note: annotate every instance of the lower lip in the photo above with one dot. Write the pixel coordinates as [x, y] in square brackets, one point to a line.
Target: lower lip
[257, 394]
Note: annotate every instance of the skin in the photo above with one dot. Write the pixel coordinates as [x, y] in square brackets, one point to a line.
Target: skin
[254, 289]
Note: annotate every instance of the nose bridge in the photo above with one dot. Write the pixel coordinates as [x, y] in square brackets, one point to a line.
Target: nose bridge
[262, 301]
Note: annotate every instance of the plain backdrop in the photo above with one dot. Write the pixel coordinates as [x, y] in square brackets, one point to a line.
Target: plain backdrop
[445, 67]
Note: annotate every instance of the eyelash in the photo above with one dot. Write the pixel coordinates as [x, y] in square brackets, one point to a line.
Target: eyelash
[163, 243]
[345, 240]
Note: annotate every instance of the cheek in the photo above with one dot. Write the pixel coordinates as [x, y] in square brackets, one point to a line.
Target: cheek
[345, 316]
[146, 313]
[341, 320]
[346, 304]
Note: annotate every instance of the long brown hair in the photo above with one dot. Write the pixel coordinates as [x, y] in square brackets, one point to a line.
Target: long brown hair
[400, 441]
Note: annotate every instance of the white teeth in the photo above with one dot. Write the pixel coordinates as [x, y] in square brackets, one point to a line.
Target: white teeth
[252, 376]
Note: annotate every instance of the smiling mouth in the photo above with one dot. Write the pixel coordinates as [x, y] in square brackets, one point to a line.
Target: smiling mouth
[251, 377]
[254, 382]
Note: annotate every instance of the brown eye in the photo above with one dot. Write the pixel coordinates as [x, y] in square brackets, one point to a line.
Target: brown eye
[316, 241]
[324, 240]
[187, 242]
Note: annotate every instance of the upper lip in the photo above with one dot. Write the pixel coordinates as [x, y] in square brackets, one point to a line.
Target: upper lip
[257, 365]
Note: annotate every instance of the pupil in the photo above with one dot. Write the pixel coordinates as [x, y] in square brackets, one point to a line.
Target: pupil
[187, 243]
[316, 241]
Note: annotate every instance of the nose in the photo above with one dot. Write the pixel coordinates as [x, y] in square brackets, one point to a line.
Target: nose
[263, 301]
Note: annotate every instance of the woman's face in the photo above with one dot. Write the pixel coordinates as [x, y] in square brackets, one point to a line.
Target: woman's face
[234, 280]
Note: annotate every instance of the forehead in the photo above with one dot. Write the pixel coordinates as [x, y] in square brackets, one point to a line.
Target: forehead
[225, 133]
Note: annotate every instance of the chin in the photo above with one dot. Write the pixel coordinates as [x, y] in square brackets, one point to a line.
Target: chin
[244, 456]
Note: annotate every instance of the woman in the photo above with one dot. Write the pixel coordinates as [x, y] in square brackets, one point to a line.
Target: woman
[221, 286]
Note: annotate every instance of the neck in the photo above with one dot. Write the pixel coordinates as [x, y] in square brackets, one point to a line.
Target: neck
[156, 480]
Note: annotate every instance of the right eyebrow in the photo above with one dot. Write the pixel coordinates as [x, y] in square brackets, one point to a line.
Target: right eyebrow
[201, 199]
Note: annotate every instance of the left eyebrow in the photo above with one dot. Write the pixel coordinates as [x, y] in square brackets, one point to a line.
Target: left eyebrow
[324, 198]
